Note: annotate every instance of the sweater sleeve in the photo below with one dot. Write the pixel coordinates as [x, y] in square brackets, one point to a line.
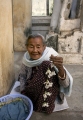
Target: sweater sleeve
[65, 83]
[22, 76]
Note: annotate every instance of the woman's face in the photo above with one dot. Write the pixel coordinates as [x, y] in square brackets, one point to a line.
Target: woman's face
[35, 48]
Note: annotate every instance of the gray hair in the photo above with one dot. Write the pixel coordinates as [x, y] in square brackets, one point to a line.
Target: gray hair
[35, 36]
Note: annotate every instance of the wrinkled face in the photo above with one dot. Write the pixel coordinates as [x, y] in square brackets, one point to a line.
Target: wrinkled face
[35, 47]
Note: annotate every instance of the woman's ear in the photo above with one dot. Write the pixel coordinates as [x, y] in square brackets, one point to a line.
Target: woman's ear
[26, 47]
[44, 46]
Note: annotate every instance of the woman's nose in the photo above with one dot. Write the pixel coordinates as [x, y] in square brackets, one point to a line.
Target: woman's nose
[35, 49]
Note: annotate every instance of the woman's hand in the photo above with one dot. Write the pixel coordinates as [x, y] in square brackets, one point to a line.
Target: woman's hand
[58, 62]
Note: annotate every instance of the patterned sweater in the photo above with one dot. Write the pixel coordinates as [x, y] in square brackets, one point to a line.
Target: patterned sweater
[42, 85]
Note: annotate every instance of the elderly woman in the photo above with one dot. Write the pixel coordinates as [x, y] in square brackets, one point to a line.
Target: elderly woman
[42, 75]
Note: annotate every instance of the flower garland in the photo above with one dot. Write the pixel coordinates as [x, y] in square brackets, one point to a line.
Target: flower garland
[48, 84]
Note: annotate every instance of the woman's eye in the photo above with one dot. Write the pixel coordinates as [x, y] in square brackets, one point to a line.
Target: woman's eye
[31, 46]
[38, 46]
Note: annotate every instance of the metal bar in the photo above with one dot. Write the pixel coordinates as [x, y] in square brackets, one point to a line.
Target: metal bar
[47, 6]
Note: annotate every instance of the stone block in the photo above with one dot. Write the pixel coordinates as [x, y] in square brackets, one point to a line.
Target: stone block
[72, 58]
[64, 34]
[19, 39]
[68, 25]
[52, 41]
[71, 44]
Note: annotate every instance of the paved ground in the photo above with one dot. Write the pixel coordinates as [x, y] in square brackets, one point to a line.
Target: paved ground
[75, 101]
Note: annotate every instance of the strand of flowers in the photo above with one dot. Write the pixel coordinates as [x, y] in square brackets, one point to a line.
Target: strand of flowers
[48, 84]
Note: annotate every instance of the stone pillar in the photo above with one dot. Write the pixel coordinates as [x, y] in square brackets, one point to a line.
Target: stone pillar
[6, 47]
[22, 15]
[55, 15]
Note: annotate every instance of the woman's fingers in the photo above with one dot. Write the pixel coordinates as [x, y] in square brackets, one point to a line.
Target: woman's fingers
[56, 59]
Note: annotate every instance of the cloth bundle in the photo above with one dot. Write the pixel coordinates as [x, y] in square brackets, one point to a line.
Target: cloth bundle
[14, 110]
[42, 87]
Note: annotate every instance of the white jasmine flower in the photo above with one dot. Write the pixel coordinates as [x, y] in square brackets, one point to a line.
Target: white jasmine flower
[45, 104]
[53, 73]
[49, 75]
[48, 84]
[48, 72]
[46, 94]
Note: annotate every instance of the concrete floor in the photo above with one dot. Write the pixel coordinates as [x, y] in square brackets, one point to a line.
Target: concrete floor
[75, 101]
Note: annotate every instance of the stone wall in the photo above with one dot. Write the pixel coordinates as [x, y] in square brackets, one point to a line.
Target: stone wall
[71, 47]
[70, 38]
[22, 12]
[6, 47]
[70, 41]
